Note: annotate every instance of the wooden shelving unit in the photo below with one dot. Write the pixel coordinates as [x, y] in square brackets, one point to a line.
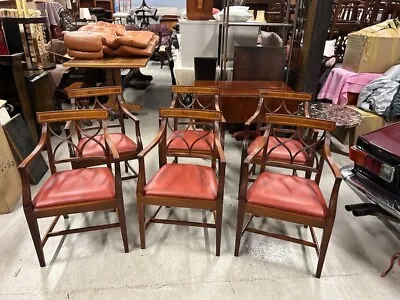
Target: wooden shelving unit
[108, 5]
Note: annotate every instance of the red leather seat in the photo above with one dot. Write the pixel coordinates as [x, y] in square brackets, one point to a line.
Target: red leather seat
[76, 186]
[183, 180]
[193, 139]
[122, 142]
[280, 153]
[288, 193]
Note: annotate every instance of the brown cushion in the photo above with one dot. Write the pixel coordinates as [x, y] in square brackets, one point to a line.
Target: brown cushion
[288, 193]
[184, 181]
[280, 153]
[83, 41]
[131, 51]
[137, 39]
[92, 149]
[76, 186]
[85, 55]
[190, 139]
[107, 51]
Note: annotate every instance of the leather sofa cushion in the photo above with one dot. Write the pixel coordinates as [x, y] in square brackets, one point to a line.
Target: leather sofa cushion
[83, 41]
[107, 51]
[85, 55]
[137, 39]
[280, 153]
[92, 149]
[288, 193]
[76, 186]
[178, 139]
[132, 51]
[184, 181]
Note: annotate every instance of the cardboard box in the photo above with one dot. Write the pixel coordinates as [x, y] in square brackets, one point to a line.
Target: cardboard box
[373, 49]
[10, 181]
[370, 123]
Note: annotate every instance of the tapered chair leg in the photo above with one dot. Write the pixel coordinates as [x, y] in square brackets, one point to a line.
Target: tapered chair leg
[239, 226]
[218, 227]
[141, 219]
[35, 233]
[122, 224]
[326, 235]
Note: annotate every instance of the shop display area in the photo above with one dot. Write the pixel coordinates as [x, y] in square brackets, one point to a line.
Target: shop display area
[209, 149]
[180, 263]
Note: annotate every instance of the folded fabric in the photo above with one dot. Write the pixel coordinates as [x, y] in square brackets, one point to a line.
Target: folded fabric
[341, 81]
[124, 50]
[83, 41]
[85, 55]
[137, 39]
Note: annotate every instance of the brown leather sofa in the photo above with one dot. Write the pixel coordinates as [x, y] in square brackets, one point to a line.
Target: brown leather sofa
[94, 41]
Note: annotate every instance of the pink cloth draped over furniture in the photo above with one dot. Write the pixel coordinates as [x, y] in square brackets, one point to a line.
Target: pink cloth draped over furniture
[340, 82]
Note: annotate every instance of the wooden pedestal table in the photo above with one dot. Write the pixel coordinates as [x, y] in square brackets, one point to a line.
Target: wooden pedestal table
[239, 99]
[113, 68]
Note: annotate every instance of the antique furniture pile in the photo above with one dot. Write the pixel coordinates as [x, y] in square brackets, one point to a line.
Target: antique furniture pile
[108, 40]
[192, 127]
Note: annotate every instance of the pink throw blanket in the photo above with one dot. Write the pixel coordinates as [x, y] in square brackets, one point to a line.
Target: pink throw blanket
[341, 81]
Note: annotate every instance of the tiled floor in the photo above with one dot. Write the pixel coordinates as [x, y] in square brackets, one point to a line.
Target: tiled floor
[180, 262]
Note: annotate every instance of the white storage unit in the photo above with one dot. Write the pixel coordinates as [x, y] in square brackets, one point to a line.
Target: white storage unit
[198, 39]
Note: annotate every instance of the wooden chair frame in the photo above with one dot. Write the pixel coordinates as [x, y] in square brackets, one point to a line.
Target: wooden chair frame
[120, 112]
[326, 223]
[199, 99]
[214, 118]
[33, 214]
[281, 102]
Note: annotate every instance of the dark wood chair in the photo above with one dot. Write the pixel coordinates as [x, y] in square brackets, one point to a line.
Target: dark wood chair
[126, 147]
[289, 197]
[72, 191]
[193, 97]
[184, 185]
[274, 102]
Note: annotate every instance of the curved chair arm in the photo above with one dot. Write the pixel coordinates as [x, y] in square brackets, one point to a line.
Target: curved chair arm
[250, 121]
[110, 145]
[142, 168]
[22, 168]
[38, 149]
[115, 159]
[136, 122]
[338, 179]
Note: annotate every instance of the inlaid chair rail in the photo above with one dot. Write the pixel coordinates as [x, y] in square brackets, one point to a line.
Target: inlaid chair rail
[283, 102]
[76, 120]
[195, 97]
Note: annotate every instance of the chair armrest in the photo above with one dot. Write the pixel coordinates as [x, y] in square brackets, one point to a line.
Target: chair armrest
[255, 115]
[336, 186]
[110, 145]
[332, 165]
[136, 122]
[142, 168]
[36, 152]
[264, 141]
[153, 143]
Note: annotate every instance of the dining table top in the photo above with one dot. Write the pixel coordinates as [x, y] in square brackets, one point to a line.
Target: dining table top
[109, 63]
[244, 88]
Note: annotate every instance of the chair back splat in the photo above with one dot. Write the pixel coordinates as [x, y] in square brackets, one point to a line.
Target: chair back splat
[127, 147]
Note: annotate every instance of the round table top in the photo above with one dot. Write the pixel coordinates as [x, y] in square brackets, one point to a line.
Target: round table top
[342, 115]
